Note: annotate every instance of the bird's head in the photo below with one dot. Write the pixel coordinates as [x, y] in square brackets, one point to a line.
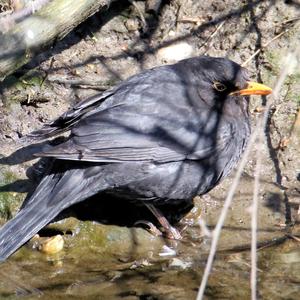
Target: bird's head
[226, 77]
[219, 81]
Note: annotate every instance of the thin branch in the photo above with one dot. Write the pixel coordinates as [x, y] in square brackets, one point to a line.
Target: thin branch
[85, 83]
[291, 20]
[139, 12]
[213, 34]
[264, 46]
[253, 280]
[294, 237]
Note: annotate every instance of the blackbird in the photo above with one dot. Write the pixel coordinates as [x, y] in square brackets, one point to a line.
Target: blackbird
[162, 136]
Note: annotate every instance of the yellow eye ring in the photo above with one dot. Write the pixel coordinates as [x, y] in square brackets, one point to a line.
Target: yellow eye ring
[220, 87]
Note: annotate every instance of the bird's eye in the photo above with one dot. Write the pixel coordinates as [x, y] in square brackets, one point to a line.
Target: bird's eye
[220, 87]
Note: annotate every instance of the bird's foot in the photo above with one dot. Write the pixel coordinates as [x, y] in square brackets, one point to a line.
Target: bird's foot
[150, 227]
[170, 231]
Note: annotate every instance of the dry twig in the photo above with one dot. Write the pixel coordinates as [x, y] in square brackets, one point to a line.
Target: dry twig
[254, 212]
[264, 46]
[297, 239]
[213, 34]
[139, 11]
[84, 83]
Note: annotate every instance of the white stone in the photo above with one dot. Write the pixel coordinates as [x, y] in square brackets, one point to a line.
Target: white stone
[30, 34]
[175, 52]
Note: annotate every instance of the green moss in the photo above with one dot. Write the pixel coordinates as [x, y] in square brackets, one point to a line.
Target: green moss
[9, 201]
[5, 202]
[274, 58]
[18, 88]
[272, 70]
[294, 90]
[32, 79]
[29, 82]
[97, 235]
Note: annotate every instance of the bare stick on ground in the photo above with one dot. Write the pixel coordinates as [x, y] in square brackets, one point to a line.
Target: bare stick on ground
[264, 46]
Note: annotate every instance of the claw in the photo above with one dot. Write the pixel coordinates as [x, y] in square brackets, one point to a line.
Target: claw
[170, 231]
[151, 227]
[173, 233]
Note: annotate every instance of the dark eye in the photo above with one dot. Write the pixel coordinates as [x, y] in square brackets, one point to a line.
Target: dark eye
[220, 87]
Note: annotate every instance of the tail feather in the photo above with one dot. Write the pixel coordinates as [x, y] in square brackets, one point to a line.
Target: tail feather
[57, 191]
[25, 225]
[65, 184]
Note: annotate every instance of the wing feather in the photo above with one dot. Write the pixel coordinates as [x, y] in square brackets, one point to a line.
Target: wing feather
[143, 119]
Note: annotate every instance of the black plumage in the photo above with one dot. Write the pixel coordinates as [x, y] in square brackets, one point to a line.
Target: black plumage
[164, 135]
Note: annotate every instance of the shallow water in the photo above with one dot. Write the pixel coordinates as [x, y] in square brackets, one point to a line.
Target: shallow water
[114, 262]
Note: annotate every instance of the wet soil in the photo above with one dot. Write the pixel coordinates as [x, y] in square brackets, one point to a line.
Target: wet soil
[105, 256]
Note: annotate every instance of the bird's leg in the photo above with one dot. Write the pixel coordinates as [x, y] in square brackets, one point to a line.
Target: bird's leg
[171, 232]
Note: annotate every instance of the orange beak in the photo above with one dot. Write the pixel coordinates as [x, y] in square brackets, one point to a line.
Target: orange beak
[253, 88]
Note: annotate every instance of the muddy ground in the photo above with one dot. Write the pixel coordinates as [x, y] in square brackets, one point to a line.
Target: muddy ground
[109, 47]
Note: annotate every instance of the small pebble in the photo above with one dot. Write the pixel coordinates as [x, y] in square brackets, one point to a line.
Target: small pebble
[52, 245]
[167, 251]
[132, 24]
[175, 52]
[178, 263]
